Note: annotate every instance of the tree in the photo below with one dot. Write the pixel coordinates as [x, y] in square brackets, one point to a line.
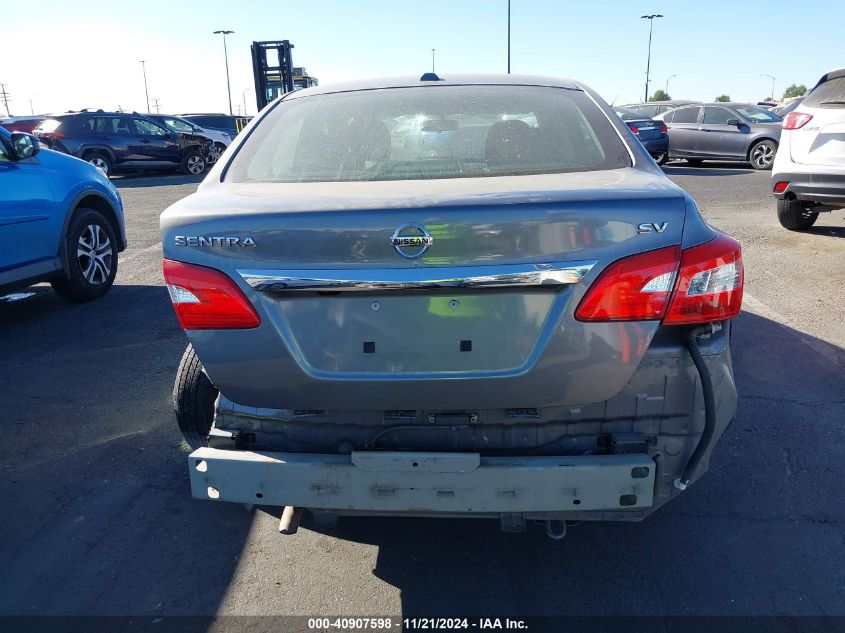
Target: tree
[794, 91]
[723, 98]
[660, 95]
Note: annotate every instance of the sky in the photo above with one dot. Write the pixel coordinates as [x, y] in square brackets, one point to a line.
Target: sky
[73, 55]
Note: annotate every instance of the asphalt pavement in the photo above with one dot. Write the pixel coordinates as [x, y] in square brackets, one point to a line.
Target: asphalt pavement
[98, 518]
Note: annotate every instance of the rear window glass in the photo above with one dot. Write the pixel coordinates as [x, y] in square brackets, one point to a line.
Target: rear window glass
[211, 121]
[831, 94]
[48, 125]
[685, 115]
[429, 132]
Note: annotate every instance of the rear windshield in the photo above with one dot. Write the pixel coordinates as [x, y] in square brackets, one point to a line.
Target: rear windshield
[48, 125]
[831, 94]
[429, 132]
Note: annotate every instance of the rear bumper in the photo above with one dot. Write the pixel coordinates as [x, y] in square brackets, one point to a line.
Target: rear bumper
[827, 189]
[656, 145]
[423, 483]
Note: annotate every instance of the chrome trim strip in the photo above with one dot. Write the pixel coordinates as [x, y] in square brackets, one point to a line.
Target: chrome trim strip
[550, 275]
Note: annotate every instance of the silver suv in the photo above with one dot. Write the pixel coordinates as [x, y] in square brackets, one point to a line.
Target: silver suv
[809, 171]
[469, 296]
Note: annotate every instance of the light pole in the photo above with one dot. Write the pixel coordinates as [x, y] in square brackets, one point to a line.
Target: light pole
[667, 83]
[509, 37]
[224, 33]
[146, 93]
[243, 94]
[773, 84]
[650, 19]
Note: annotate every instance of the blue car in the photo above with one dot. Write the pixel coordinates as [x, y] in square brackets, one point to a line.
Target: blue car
[653, 134]
[61, 221]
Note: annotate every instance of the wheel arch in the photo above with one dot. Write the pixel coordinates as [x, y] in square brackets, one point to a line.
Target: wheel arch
[758, 140]
[105, 149]
[91, 200]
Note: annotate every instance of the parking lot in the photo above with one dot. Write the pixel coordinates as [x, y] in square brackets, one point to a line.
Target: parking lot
[98, 518]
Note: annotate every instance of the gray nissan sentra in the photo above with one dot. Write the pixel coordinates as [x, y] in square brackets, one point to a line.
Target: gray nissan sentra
[470, 296]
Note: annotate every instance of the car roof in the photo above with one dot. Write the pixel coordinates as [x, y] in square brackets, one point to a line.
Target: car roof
[444, 80]
[836, 73]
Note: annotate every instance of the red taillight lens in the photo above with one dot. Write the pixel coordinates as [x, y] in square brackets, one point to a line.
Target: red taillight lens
[795, 120]
[634, 129]
[781, 186]
[709, 284]
[207, 299]
[635, 288]
[663, 129]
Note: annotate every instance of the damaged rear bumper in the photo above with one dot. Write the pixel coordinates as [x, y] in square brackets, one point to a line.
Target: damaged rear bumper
[424, 482]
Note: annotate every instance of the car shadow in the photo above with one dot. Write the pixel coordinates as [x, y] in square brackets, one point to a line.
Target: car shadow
[707, 169]
[145, 179]
[828, 231]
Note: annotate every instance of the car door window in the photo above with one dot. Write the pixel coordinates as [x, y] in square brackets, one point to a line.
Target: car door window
[717, 116]
[178, 125]
[686, 115]
[148, 128]
[668, 117]
[118, 125]
[4, 154]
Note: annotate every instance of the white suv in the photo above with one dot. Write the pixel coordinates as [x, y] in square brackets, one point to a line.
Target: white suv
[809, 170]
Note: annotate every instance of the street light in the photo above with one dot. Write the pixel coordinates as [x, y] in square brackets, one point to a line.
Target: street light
[243, 94]
[224, 33]
[146, 93]
[650, 19]
[667, 83]
[773, 83]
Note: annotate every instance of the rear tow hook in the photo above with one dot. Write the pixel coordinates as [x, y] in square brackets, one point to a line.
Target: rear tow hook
[555, 529]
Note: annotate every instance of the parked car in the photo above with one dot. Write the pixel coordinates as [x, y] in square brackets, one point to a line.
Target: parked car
[786, 108]
[655, 109]
[652, 134]
[61, 221]
[724, 131]
[21, 123]
[227, 123]
[116, 140]
[809, 172]
[219, 140]
[534, 325]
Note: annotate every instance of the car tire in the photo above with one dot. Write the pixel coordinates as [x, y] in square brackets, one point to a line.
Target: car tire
[90, 255]
[100, 160]
[193, 163]
[762, 154]
[795, 216]
[216, 152]
[193, 399]
[662, 159]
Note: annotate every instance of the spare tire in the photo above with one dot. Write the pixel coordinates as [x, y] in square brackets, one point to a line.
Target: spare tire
[193, 399]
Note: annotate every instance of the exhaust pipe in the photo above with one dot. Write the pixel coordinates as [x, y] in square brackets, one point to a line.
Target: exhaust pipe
[289, 522]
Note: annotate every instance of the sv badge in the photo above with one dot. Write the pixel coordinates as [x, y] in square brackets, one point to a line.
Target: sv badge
[652, 227]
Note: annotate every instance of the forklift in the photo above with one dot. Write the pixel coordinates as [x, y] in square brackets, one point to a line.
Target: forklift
[274, 73]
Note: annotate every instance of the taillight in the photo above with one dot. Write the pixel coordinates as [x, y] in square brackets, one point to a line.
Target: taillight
[635, 288]
[795, 120]
[634, 129]
[643, 287]
[663, 129]
[709, 283]
[207, 299]
[781, 186]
